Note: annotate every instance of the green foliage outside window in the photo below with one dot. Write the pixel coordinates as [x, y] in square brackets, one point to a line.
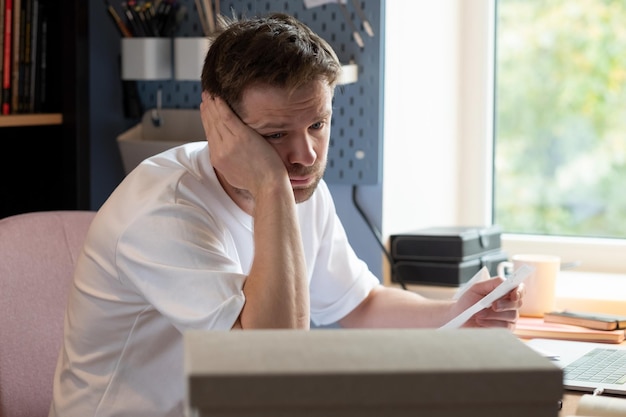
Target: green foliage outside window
[560, 130]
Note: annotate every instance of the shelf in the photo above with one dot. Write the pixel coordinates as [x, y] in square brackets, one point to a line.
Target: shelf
[19, 120]
[62, 165]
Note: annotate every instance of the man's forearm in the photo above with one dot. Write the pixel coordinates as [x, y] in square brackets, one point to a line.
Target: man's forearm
[276, 290]
[392, 307]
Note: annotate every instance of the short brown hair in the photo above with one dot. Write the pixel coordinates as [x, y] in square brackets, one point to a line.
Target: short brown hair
[276, 50]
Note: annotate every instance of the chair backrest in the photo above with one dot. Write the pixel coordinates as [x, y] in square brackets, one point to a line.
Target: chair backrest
[38, 251]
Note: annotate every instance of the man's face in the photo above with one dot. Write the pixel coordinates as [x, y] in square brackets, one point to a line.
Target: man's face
[297, 126]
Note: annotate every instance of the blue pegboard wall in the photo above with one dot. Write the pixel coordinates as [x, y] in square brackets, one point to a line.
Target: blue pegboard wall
[355, 152]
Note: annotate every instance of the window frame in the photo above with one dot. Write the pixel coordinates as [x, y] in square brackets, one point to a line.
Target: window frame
[476, 120]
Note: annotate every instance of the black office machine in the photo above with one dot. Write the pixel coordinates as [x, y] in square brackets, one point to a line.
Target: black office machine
[445, 256]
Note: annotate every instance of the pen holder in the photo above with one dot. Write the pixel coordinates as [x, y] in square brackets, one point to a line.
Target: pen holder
[146, 58]
[189, 54]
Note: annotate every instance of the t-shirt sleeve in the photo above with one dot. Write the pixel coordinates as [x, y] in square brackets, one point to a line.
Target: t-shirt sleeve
[195, 280]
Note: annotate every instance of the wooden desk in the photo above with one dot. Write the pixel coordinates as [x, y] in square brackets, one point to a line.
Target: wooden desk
[570, 402]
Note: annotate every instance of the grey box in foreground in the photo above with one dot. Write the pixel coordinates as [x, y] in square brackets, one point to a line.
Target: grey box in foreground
[367, 373]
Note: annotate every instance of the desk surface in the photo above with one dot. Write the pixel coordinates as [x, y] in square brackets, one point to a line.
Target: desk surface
[570, 402]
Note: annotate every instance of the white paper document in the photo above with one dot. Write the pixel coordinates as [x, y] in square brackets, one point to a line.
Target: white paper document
[481, 275]
[507, 285]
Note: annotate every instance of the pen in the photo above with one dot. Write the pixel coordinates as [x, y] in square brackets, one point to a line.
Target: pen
[202, 17]
[124, 31]
[208, 10]
[159, 14]
[174, 14]
[143, 11]
[149, 17]
[366, 23]
[141, 18]
[355, 32]
[130, 18]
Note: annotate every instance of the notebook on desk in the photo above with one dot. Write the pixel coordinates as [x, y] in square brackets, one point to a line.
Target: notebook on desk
[587, 366]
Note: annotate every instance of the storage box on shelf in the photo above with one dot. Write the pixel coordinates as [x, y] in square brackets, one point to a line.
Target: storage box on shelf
[445, 256]
[158, 131]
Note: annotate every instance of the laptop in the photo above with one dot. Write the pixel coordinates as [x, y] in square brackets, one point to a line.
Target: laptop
[591, 367]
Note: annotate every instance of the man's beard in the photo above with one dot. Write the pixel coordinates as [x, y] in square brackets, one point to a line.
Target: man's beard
[300, 194]
[303, 194]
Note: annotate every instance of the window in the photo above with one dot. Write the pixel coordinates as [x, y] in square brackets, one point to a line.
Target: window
[560, 117]
[559, 124]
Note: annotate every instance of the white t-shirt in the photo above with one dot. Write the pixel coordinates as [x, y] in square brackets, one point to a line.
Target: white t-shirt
[170, 251]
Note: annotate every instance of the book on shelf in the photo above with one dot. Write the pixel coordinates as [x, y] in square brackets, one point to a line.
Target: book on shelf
[23, 58]
[40, 63]
[15, 51]
[7, 57]
[32, 60]
[1, 47]
[536, 327]
[23, 87]
[22, 55]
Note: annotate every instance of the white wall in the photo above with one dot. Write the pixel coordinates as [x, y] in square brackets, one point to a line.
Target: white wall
[421, 114]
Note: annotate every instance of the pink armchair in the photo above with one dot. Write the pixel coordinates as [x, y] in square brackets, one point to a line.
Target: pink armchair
[37, 255]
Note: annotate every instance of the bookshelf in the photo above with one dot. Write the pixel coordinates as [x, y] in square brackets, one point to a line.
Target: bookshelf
[49, 145]
[13, 120]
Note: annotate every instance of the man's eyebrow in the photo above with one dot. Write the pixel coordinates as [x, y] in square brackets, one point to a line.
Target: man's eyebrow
[283, 125]
[325, 114]
[272, 125]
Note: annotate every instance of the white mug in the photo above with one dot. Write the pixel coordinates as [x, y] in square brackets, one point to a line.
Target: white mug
[540, 286]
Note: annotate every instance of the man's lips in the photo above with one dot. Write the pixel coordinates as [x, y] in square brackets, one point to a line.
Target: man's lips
[299, 181]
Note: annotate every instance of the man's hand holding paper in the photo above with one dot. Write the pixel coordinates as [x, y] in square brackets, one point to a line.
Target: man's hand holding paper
[489, 302]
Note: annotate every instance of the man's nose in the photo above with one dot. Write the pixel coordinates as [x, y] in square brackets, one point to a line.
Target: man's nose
[303, 151]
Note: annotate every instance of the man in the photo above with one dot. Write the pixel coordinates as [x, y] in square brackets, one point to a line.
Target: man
[238, 232]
